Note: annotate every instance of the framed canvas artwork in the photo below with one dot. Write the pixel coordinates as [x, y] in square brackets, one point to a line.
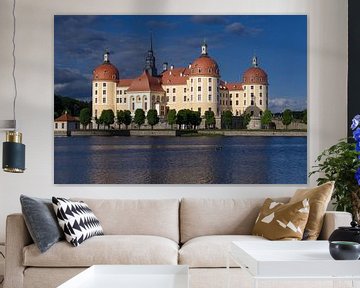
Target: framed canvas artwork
[180, 99]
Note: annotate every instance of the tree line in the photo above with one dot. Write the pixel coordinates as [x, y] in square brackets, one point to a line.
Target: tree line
[184, 118]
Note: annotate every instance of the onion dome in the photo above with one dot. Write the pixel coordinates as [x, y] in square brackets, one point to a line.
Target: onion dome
[106, 71]
[255, 75]
[204, 65]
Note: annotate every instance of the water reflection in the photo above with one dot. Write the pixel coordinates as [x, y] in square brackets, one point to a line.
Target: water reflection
[181, 160]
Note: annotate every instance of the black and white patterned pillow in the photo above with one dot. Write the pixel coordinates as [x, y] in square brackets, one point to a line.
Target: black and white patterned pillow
[77, 220]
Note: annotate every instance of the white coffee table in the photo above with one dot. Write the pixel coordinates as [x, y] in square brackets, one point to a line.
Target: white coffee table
[131, 276]
[293, 260]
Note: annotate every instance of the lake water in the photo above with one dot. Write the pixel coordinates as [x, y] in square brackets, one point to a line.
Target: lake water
[180, 160]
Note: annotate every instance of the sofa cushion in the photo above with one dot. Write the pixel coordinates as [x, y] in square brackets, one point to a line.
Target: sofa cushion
[211, 251]
[77, 220]
[279, 221]
[319, 198]
[107, 249]
[41, 221]
[158, 217]
[201, 217]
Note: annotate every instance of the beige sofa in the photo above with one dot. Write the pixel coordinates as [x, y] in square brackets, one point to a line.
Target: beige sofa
[194, 232]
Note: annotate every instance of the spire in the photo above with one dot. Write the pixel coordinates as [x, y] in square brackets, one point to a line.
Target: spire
[106, 56]
[204, 48]
[151, 43]
[255, 61]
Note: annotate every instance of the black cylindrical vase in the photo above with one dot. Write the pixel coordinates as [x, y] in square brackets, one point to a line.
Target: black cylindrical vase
[13, 153]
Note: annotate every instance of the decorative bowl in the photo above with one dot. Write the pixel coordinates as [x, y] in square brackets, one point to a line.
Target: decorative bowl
[344, 250]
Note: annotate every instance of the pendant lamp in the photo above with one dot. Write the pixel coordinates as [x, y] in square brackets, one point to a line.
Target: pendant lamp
[13, 149]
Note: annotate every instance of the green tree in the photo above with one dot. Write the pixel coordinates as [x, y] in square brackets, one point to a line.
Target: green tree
[246, 120]
[152, 118]
[107, 117]
[171, 117]
[139, 117]
[85, 117]
[194, 119]
[127, 118]
[266, 118]
[120, 117]
[287, 118]
[304, 116]
[181, 118]
[209, 119]
[98, 122]
[227, 119]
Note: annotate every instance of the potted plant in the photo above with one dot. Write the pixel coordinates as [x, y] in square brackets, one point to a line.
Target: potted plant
[341, 163]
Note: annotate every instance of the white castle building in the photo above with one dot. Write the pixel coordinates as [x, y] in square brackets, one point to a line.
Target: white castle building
[198, 87]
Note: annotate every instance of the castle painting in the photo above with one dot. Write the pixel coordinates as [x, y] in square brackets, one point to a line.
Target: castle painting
[227, 104]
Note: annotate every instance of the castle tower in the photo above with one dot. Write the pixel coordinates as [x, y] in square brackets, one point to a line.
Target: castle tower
[150, 65]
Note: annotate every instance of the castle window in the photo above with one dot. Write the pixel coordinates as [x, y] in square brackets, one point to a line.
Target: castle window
[192, 98]
[124, 100]
[56, 125]
[237, 95]
[120, 92]
[96, 92]
[174, 90]
[244, 102]
[210, 98]
[167, 90]
[117, 100]
[237, 113]
[260, 113]
[209, 88]
[192, 89]
[244, 94]
[145, 98]
[199, 88]
[192, 80]
[104, 92]
[167, 99]
[95, 100]
[62, 125]
[199, 79]
[146, 106]
[199, 97]
[260, 94]
[252, 87]
[230, 96]
[230, 102]
[158, 98]
[209, 80]
[252, 95]
[104, 100]
[163, 99]
[174, 98]
[260, 86]
[133, 106]
[117, 92]
[252, 102]
[185, 90]
[95, 113]
[96, 84]
[184, 98]
[260, 102]
[237, 102]
[199, 70]
[104, 84]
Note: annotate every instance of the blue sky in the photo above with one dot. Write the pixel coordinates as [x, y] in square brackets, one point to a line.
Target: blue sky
[279, 41]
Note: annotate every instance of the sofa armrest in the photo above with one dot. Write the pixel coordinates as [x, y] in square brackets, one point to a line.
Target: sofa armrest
[333, 220]
[17, 237]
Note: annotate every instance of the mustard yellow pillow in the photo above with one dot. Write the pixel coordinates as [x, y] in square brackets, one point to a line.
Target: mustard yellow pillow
[319, 198]
[279, 221]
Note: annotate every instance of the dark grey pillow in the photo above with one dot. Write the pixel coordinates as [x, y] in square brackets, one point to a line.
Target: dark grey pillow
[41, 221]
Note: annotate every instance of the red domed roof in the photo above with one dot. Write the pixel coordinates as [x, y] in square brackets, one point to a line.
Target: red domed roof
[204, 66]
[255, 75]
[107, 72]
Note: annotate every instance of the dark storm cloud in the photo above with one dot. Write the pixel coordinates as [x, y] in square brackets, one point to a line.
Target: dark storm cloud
[208, 19]
[71, 83]
[239, 29]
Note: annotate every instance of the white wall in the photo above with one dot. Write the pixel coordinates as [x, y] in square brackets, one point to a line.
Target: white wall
[327, 97]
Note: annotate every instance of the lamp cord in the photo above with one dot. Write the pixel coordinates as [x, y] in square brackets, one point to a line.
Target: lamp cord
[2, 280]
[14, 61]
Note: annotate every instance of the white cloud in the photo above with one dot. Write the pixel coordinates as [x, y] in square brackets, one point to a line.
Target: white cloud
[281, 103]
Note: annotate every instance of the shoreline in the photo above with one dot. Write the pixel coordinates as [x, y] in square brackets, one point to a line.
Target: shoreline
[178, 133]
